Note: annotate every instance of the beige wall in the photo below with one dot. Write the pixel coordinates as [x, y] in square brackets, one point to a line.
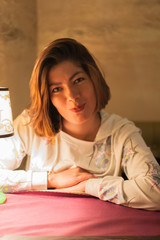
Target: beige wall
[124, 35]
[17, 49]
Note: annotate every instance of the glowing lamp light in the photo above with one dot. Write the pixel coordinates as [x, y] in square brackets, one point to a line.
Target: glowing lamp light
[6, 121]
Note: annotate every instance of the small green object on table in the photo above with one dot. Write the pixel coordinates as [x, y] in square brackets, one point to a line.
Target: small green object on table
[2, 198]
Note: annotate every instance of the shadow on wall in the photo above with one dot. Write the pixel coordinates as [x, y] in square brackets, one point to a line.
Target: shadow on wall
[151, 135]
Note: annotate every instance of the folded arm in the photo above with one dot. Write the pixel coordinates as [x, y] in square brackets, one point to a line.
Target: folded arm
[142, 187]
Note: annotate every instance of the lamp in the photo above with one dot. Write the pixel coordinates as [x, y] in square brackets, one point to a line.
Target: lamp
[6, 122]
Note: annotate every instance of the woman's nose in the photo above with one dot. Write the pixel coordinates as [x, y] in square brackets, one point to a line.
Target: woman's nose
[72, 93]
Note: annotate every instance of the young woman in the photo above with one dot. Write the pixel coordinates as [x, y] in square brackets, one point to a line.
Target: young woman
[71, 142]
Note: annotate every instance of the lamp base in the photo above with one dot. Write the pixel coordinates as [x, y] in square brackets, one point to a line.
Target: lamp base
[6, 135]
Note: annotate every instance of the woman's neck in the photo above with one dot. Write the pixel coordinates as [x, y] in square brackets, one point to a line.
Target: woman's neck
[86, 131]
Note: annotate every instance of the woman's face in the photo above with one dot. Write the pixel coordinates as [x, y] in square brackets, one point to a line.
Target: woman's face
[72, 92]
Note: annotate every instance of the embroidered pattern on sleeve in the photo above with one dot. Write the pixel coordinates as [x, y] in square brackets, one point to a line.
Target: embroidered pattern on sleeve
[49, 141]
[154, 172]
[13, 186]
[127, 155]
[113, 194]
[102, 153]
[9, 189]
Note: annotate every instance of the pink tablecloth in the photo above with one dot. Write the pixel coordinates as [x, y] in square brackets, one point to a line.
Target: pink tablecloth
[56, 214]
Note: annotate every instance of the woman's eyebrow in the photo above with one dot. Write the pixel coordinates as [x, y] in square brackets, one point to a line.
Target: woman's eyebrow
[70, 79]
[54, 84]
[76, 73]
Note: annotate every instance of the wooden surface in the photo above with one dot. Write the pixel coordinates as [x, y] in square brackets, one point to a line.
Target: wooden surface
[124, 35]
[78, 238]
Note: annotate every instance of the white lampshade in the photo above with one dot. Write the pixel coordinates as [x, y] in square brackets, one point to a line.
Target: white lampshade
[6, 122]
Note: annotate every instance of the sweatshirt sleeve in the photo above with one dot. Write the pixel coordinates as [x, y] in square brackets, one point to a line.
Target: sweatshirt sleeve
[142, 187]
[12, 152]
[19, 180]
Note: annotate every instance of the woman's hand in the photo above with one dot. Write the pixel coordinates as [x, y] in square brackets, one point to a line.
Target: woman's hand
[80, 187]
[68, 178]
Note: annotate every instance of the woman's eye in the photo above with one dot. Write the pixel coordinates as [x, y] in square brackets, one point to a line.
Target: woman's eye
[57, 89]
[78, 80]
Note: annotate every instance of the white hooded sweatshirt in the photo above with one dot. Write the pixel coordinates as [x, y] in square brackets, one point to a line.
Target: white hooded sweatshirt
[118, 148]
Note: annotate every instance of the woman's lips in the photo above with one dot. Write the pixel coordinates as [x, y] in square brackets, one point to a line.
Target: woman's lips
[78, 108]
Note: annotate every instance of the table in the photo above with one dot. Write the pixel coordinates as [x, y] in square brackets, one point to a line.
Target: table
[48, 213]
[11, 237]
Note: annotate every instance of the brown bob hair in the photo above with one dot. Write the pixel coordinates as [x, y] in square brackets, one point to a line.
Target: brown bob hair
[44, 117]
